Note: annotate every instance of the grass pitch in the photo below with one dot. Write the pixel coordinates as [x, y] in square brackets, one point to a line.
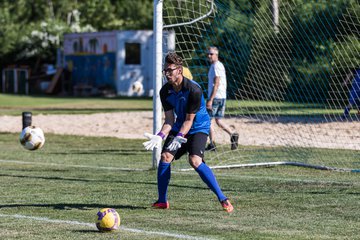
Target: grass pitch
[11, 104]
[55, 193]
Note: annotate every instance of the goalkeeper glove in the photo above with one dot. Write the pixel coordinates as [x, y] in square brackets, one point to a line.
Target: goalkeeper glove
[154, 141]
[176, 143]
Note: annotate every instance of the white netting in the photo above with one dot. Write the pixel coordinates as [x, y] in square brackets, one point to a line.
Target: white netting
[285, 73]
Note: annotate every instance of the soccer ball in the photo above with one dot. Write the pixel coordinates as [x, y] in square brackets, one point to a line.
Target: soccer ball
[32, 138]
[107, 220]
[137, 87]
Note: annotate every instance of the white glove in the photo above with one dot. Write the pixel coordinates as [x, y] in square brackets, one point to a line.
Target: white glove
[154, 141]
[176, 143]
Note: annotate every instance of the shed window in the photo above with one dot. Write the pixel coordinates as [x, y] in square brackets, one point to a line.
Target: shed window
[133, 53]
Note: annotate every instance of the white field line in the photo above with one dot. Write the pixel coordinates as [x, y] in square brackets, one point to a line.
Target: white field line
[72, 166]
[92, 225]
[283, 179]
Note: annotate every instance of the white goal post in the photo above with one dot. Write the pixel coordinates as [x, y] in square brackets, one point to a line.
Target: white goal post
[157, 82]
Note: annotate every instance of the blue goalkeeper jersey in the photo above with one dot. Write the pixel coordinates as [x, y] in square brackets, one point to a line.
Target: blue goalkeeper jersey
[189, 100]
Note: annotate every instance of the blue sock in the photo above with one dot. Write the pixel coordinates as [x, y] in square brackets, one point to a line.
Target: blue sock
[163, 178]
[209, 178]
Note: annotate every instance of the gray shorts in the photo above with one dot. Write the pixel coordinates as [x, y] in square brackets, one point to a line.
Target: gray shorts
[218, 108]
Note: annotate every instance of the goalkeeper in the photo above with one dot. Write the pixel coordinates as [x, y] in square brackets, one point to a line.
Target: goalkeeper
[186, 126]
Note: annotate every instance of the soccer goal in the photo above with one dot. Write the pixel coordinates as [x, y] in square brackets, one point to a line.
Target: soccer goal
[286, 63]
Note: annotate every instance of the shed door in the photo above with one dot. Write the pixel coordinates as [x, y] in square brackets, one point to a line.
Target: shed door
[132, 66]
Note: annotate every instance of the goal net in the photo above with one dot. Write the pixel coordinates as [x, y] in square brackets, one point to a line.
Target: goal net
[286, 63]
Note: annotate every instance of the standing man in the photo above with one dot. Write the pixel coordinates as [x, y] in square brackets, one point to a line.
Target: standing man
[354, 95]
[186, 126]
[217, 98]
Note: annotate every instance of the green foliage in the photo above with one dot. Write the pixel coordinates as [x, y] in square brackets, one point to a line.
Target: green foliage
[134, 15]
[98, 13]
[320, 36]
[316, 43]
[9, 29]
[43, 40]
[25, 37]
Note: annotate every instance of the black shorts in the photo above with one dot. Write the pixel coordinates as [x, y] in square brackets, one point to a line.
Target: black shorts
[195, 145]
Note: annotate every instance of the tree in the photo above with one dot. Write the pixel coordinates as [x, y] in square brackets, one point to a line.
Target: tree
[34, 29]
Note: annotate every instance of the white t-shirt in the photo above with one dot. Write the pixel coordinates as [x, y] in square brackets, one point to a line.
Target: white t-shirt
[217, 69]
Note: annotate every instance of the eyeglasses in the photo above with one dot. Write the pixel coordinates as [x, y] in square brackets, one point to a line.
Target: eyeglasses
[210, 53]
[169, 70]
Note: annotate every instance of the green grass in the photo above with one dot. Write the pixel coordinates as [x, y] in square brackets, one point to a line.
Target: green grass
[15, 104]
[246, 107]
[67, 180]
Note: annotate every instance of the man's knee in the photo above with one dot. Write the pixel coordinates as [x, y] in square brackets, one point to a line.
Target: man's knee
[166, 157]
[195, 161]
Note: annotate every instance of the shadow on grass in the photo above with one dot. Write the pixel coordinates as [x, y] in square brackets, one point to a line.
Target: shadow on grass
[68, 206]
[88, 110]
[105, 151]
[287, 118]
[88, 231]
[104, 180]
[291, 114]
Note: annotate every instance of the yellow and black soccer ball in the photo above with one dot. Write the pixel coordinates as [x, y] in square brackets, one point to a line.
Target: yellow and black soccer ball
[107, 220]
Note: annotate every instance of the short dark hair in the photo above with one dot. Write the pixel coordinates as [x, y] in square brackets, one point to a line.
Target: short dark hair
[173, 58]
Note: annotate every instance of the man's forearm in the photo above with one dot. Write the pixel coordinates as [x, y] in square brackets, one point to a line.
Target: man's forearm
[215, 88]
[166, 128]
[185, 128]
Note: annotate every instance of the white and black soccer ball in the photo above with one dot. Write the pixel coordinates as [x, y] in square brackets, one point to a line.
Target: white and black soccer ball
[138, 88]
[32, 138]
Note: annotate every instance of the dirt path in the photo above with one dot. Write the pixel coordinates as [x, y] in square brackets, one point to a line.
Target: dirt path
[252, 132]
